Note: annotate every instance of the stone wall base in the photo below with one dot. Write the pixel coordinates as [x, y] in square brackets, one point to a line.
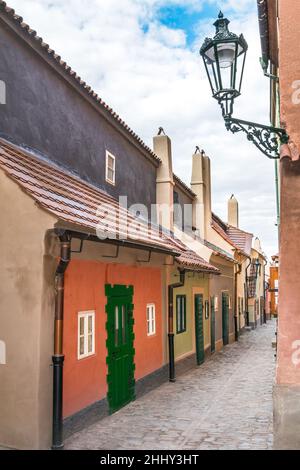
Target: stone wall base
[286, 400]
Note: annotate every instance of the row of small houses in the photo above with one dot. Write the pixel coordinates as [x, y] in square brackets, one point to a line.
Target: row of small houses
[98, 303]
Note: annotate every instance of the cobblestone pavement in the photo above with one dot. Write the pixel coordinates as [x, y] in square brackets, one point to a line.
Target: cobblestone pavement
[224, 404]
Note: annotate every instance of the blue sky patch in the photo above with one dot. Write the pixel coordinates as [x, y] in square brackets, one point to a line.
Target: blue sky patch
[181, 17]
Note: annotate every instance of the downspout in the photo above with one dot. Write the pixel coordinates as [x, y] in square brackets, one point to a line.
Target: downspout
[236, 313]
[171, 288]
[247, 291]
[58, 356]
[265, 292]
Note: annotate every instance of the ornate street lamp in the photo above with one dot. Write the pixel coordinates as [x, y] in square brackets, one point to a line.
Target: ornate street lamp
[257, 268]
[224, 57]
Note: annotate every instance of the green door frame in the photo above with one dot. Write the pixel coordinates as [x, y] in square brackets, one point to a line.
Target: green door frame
[212, 325]
[199, 329]
[225, 317]
[120, 350]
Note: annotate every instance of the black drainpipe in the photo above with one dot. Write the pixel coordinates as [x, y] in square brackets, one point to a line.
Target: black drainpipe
[58, 356]
[236, 303]
[265, 292]
[171, 288]
[247, 292]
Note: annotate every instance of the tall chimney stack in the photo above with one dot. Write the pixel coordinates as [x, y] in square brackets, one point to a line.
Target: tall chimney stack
[164, 181]
[233, 212]
[201, 186]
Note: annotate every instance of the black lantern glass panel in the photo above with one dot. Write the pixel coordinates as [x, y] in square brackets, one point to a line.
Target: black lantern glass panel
[224, 59]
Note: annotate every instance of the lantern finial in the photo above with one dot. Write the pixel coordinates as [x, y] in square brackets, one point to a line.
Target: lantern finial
[221, 15]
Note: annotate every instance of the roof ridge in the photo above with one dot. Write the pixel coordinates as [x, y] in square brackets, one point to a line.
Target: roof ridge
[32, 34]
[185, 186]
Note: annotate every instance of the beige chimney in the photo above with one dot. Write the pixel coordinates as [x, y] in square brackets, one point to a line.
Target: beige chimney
[257, 245]
[164, 181]
[233, 212]
[201, 186]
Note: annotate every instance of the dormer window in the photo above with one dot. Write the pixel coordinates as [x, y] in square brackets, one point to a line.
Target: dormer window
[110, 168]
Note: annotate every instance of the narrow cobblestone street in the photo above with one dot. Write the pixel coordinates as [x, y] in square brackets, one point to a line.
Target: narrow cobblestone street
[224, 404]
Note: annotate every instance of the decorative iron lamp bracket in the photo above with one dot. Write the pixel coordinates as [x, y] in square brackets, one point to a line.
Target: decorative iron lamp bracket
[224, 58]
[266, 138]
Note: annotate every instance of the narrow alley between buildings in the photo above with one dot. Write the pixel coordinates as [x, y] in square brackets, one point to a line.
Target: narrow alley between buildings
[224, 404]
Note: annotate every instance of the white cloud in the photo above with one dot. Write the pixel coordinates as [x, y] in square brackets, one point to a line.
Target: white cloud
[153, 79]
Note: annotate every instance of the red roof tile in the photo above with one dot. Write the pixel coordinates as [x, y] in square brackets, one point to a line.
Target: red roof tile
[190, 259]
[72, 200]
[241, 239]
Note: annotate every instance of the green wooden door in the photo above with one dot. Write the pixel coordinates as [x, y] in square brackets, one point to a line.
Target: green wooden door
[212, 325]
[225, 317]
[199, 328]
[120, 350]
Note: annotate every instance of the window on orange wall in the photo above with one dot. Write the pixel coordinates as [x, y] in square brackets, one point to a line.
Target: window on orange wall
[151, 320]
[86, 334]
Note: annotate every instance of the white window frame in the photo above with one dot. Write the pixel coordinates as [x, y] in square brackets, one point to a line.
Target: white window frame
[86, 316]
[151, 319]
[216, 303]
[110, 155]
[2, 92]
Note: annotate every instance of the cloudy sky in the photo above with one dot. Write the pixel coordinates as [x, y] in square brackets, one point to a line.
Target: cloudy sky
[142, 57]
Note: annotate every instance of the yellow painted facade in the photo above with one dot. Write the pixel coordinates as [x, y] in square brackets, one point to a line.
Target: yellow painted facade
[195, 283]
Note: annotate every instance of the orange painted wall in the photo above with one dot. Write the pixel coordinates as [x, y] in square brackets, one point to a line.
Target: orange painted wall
[85, 380]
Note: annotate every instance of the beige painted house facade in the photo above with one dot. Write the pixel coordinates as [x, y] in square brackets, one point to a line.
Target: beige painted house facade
[224, 245]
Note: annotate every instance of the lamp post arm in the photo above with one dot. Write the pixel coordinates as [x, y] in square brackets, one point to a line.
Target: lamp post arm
[266, 138]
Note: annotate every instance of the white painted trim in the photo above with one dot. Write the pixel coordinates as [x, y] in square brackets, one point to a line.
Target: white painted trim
[2, 353]
[86, 315]
[2, 92]
[108, 180]
[151, 321]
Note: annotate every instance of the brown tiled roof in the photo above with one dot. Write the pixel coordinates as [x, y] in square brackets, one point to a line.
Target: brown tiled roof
[190, 260]
[74, 201]
[241, 239]
[222, 233]
[51, 54]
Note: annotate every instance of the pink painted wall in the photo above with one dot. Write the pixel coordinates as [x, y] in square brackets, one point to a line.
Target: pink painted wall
[288, 372]
[289, 65]
[288, 368]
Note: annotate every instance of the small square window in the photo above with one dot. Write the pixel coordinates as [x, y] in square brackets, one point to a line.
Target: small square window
[181, 313]
[110, 168]
[86, 334]
[151, 320]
